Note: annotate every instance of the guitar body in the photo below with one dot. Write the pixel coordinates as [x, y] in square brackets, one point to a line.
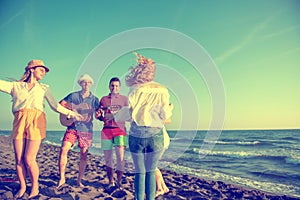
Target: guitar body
[65, 121]
[84, 109]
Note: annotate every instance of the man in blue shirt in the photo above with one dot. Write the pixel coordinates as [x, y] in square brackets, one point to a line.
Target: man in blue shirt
[85, 103]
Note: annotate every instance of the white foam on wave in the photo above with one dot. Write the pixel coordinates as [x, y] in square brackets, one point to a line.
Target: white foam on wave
[52, 143]
[290, 155]
[276, 188]
[294, 158]
[234, 143]
[229, 153]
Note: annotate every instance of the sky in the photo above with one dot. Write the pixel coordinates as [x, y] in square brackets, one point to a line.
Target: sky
[228, 64]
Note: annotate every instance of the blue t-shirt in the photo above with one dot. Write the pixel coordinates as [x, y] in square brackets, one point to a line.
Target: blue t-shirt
[84, 106]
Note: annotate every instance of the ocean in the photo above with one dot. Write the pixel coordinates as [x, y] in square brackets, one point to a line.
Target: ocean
[268, 160]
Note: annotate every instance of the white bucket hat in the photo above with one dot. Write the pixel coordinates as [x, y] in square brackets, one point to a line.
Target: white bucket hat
[85, 77]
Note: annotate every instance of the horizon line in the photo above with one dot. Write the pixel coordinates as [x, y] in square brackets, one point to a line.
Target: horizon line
[249, 129]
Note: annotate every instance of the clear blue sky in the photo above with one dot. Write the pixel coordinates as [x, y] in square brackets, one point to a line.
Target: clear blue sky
[255, 46]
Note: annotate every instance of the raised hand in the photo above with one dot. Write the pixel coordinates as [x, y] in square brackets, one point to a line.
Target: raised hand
[99, 113]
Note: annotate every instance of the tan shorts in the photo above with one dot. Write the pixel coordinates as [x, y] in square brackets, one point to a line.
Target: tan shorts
[29, 124]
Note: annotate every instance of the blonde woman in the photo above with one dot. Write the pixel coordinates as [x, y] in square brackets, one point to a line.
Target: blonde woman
[150, 108]
[29, 125]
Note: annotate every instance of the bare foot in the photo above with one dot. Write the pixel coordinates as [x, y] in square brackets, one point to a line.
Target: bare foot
[119, 185]
[33, 194]
[111, 184]
[162, 191]
[159, 192]
[166, 189]
[80, 185]
[20, 193]
[60, 183]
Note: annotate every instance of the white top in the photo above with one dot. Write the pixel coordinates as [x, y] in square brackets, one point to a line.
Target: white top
[149, 104]
[33, 98]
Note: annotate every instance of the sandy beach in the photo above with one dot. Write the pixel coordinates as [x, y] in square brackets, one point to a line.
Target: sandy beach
[181, 186]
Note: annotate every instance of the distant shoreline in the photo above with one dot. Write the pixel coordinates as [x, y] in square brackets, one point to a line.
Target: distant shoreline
[96, 130]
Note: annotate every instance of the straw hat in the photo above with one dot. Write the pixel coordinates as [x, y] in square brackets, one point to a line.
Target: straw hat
[36, 63]
[85, 77]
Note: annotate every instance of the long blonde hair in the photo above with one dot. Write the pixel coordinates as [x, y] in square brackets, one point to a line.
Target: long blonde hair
[143, 72]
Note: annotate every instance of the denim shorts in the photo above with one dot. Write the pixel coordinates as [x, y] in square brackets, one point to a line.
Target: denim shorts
[143, 139]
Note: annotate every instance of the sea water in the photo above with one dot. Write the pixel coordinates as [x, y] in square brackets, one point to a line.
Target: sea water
[267, 160]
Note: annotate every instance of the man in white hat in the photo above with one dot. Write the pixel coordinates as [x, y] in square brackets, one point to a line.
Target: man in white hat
[86, 103]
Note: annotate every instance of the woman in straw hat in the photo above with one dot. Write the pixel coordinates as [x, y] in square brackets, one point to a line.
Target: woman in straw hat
[150, 109]
[29, 125]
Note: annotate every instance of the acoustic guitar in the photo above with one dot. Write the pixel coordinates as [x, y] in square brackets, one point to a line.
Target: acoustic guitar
[84, 109]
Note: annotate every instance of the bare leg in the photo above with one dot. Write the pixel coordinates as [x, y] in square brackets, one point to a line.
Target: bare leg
[82, 165]
[161, 187]
[19, 149]
[62, 163]
[32, 148]
[120, 163]
[109, 165]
